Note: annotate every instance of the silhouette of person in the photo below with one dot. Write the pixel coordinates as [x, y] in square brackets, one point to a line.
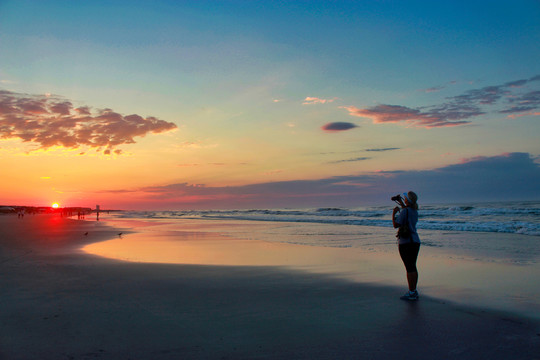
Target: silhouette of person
[408, 241]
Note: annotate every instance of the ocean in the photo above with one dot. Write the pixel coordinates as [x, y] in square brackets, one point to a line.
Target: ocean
[512, 218]
[503, 217]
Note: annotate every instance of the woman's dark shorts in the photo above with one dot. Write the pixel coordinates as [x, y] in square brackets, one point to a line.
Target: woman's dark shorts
[409, 254]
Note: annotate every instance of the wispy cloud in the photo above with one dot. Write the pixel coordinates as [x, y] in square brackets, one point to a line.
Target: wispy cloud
[438, 88]
[315, 100]
[359, 151]
[401, 114]
[383, 149]
[434, 89]
[195, 145]
[523, 103]
[273, 172]
[54, 121]
[513, 116]
[338, 126]
[349, 160]
[210, 164]
[458, 110]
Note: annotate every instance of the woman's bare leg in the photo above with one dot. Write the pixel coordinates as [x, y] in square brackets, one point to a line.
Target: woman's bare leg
[412, 279]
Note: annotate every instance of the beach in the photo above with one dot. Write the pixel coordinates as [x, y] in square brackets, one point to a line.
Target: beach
[61, 301]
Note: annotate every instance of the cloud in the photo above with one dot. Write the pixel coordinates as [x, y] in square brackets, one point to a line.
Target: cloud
[195, 145]
[434, 89]
[509, 176]
[349, 160]
[396, 114]
[53, 121]
[512, 176]
[523, 103]
[513, 116]
[338, 126]
[273, 172]
[439, 88]
[210, 164]
[383, 149]
[457, 110]
[314, 100]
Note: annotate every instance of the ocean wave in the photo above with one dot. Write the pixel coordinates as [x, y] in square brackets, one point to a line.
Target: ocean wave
[518, 218]
[479, 211]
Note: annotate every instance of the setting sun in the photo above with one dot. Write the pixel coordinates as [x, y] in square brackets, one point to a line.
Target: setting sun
[55, 205]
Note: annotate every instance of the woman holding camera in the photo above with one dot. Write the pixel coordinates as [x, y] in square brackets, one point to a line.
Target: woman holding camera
[408, 240]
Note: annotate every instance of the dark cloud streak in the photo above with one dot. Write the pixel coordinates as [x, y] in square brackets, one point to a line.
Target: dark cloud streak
[383, 149]
[526, 102]
[349, 160]
[338, 126]
[513, 176]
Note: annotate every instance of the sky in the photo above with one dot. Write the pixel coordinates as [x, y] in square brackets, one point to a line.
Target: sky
[169, 105]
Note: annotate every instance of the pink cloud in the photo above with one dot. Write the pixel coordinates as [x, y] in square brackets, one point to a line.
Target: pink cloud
[401, 114]
[518, 96]
[513, 116]
[315, 100]
[50, 121]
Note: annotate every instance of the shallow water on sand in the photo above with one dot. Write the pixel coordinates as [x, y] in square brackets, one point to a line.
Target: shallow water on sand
[488, 270]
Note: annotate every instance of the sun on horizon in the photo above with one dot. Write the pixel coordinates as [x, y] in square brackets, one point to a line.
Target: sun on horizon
[55, 205]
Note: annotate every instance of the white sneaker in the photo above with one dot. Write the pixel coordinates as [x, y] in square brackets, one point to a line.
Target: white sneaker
[410, 296]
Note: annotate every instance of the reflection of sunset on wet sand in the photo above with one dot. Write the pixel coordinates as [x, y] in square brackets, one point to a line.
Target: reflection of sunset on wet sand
[232, 243]
[204, 249]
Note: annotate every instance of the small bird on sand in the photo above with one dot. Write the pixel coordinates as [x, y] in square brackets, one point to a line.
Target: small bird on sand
[86, 233]
[120, 234]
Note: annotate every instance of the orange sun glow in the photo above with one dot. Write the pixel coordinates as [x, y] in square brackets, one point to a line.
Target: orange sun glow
[55, 205]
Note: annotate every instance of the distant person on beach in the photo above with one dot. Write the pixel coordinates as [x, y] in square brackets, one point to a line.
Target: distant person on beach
[408, 240]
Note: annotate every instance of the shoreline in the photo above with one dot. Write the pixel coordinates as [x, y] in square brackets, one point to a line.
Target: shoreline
[59, 302]
[482, 278]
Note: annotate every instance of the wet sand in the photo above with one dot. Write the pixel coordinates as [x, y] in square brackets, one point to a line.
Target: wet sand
[58, 302]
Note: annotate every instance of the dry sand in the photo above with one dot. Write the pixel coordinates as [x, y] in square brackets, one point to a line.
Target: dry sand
[59, 303]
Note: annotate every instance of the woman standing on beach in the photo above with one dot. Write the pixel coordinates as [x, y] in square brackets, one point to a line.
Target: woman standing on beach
[408, 240]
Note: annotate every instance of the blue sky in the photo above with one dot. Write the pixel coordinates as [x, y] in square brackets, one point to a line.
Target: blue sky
[246, 94]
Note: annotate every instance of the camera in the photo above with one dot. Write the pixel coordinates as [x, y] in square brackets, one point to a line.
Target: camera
[396, 198]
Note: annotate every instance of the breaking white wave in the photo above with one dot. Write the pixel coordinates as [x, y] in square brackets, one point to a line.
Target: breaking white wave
[517, 218]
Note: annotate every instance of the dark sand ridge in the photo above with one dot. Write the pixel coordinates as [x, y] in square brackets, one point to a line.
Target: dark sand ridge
[58, 303]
